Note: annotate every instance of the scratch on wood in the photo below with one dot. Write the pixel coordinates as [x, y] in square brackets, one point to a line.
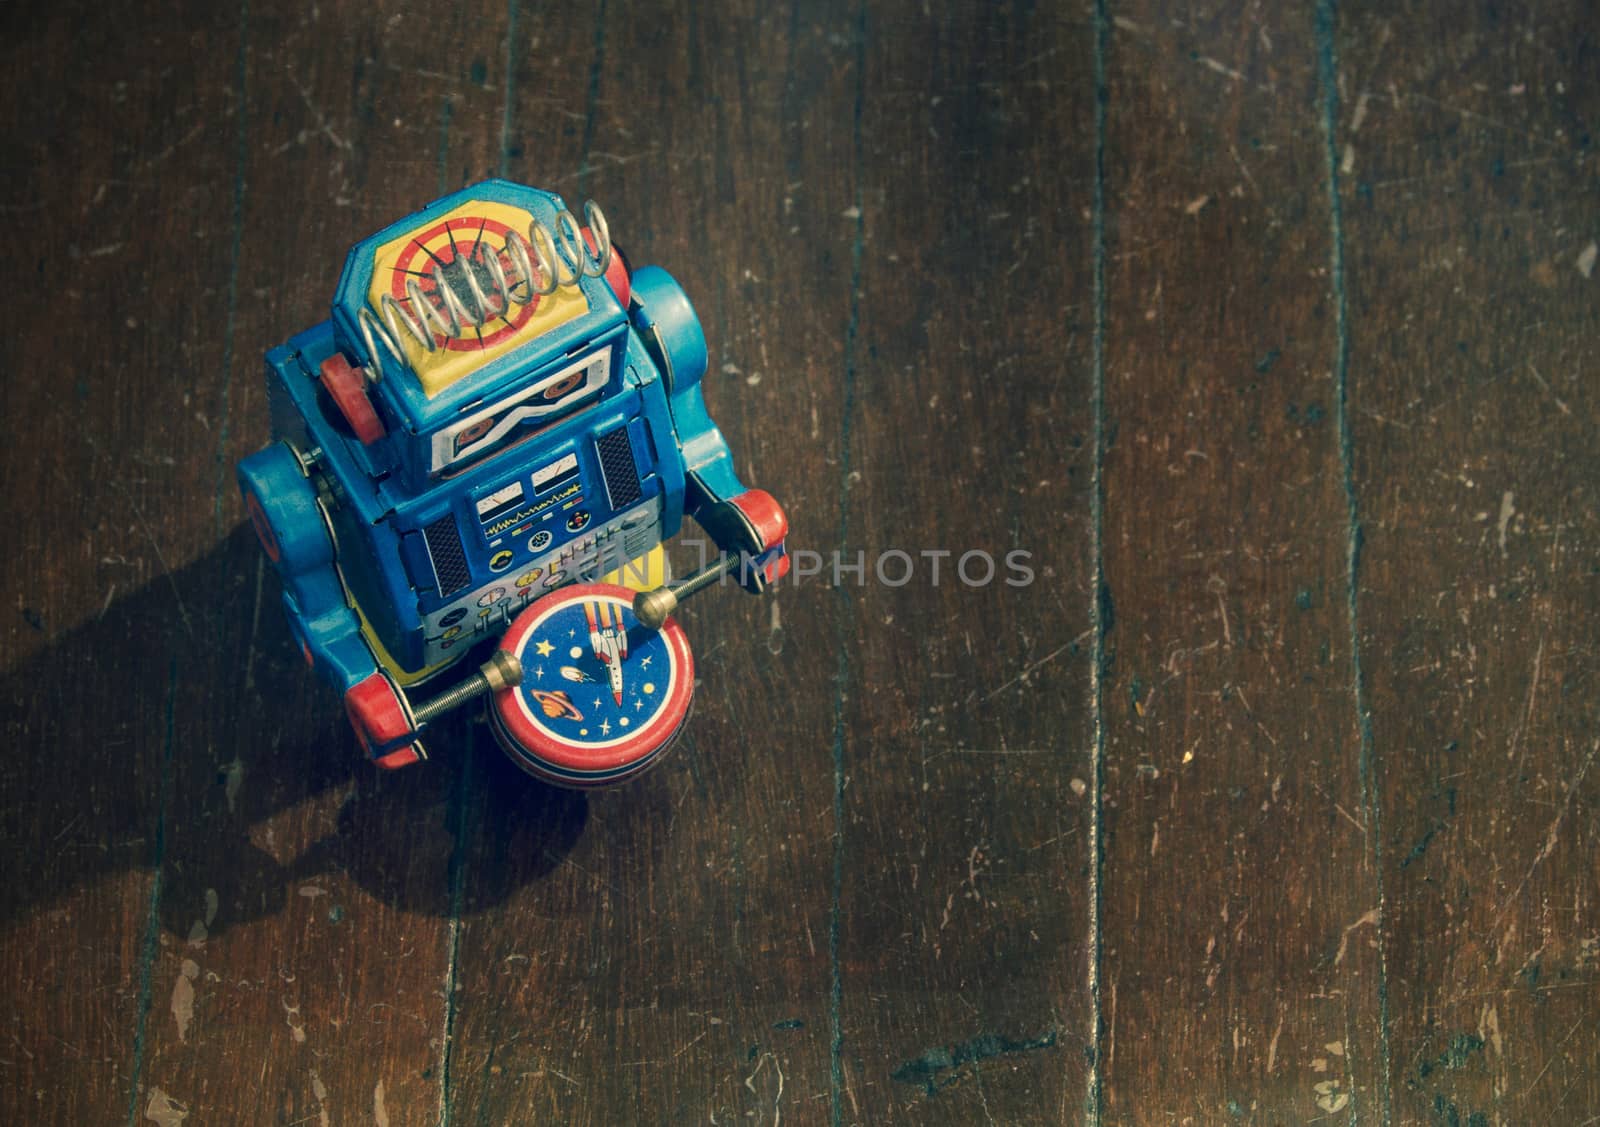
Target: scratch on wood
[1371, 917]
[322, 122]
[1221, 68]
[1251, 180]
[1360, 115]
[162, 1110]
[1111, 1026]
[156, 158]
[690, 1044]
[749, 1082]
[1538, 379]
[1551, 835]
[155, 545]
[1521, 131]
[1586, 261]
[1028, 669]
[183, 996]
[1575, 1027]
[233, 779]
[1533, 691]
[1345, 814]
[1508, 509]
[1489, 1028]
[250, 648]
[1218, 587]
[292, 1017]
[988, 751]
[320, 1090]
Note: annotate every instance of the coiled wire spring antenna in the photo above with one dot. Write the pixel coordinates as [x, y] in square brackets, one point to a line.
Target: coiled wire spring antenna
[475, 288]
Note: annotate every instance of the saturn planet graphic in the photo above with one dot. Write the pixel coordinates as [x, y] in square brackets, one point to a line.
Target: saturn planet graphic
[556, 705]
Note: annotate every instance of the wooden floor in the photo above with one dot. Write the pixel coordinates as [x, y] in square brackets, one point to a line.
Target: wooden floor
[1268, 330]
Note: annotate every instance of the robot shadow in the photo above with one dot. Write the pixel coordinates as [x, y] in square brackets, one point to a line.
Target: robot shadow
[177, 731]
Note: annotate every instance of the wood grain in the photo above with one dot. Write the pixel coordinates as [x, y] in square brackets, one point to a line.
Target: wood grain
[1468, 193]
[106, 505]
[964, 746]
[1238, 891]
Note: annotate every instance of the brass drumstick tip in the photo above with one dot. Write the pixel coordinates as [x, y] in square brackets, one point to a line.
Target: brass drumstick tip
[652, 608]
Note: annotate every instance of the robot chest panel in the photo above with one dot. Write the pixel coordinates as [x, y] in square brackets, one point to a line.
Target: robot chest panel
[575, 511]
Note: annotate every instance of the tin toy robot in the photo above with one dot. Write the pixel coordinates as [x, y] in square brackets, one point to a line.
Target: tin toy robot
[485, 446]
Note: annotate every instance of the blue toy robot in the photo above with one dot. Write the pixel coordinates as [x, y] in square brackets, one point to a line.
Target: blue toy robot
[497, 408]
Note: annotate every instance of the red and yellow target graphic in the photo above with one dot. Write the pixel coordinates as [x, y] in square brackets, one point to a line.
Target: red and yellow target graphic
[459, 280]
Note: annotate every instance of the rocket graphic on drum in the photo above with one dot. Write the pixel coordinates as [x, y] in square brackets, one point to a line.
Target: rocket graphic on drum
[608, 641]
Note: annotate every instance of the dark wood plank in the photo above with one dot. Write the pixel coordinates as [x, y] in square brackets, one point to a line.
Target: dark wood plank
[964, 742]
[1466, 151]
[1239, 980]
[664, 956]
[116, 172]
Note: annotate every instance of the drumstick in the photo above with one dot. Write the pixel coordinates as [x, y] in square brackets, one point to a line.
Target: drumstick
[652, 608]
[501, 671]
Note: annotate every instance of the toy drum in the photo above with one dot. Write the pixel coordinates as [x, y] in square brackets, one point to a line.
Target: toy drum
[602, 696]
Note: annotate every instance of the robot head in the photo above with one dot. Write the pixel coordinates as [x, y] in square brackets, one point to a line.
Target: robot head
[481, 320]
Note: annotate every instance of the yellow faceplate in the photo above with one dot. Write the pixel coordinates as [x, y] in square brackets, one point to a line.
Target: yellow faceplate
[645, 573]
[473, 230]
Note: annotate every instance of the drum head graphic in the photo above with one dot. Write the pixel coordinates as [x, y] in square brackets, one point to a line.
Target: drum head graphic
[602, 696]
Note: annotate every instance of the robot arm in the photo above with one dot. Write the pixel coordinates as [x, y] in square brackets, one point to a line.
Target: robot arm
[293, 530]
[739, 520]
[750, 523]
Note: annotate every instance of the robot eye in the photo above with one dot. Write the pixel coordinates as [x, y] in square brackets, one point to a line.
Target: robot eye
[473, 433]
[561, 388]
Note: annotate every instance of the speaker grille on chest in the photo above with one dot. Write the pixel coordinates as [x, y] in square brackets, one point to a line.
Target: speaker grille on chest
[618, 468]
[449, 559]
